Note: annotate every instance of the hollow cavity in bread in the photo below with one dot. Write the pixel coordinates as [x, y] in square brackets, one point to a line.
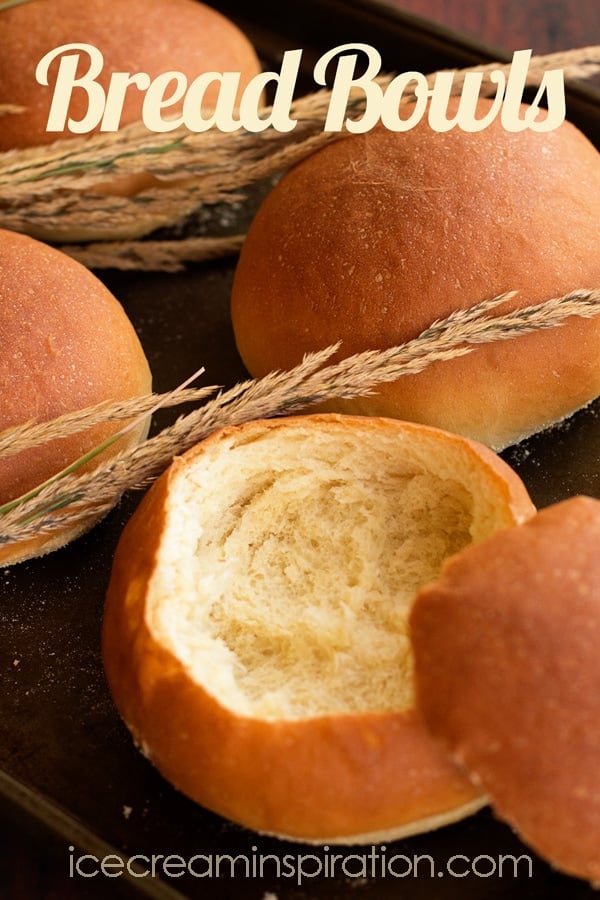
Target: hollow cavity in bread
[303, 552]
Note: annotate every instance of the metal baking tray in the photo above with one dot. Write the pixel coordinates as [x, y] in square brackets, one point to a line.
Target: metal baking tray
[71, 781]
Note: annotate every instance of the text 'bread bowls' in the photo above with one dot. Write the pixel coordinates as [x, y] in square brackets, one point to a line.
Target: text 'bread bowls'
[255, 633]
[67, 344]
[373, 238]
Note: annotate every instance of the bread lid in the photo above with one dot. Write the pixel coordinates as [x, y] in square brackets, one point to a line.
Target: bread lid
[507, 676]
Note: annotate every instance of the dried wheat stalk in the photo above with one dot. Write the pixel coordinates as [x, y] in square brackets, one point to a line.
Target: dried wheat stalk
[164, 256]
[70, 499]
[9, 108]
[8, 4]
[31, 434]
[224, 161]
[46, 186]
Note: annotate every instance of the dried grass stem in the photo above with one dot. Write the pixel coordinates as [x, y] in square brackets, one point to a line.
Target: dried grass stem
[52, 186]
[280, 393]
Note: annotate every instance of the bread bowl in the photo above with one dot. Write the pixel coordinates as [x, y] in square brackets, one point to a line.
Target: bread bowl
[163, 36]
[507, 676]
[376, 236]
[67, 344]
[254, 635]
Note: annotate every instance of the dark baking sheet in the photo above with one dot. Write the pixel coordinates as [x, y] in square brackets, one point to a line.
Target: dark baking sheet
[69, 775]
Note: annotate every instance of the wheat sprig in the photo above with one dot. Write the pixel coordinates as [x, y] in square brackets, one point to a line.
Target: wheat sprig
[158, 255]
[52, 186]
[79, 496]
[8, 4]
[227, 160]
[31, 434]
[136, 411]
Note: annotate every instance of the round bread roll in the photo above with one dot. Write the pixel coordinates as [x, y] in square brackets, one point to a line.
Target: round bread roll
[373, 238]
[67, 344]
[162, 36]
[508, 676]
[255, 634]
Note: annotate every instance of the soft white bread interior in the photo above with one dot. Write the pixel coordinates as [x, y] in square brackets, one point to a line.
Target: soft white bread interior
[374, 237]
[67, 343]
[255, 636]
[508, 676]
[155, 38]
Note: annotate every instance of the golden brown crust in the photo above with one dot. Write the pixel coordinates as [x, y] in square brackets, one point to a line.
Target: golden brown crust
[162, 36]
[508, 677]
[328, 778]
[376, 236]
[67, 344]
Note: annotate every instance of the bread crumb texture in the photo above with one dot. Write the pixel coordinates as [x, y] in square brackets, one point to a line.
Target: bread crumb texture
[291, 555]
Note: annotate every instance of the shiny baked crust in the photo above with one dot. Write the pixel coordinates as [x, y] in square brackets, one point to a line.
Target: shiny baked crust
[67, 343]
[162, 36]
[373, 238]
[508, 677]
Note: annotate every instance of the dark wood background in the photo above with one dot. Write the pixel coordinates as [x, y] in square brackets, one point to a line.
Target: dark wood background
[542, 25]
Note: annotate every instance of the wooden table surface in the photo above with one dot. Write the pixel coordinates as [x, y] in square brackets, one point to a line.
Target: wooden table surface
[542, 25]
